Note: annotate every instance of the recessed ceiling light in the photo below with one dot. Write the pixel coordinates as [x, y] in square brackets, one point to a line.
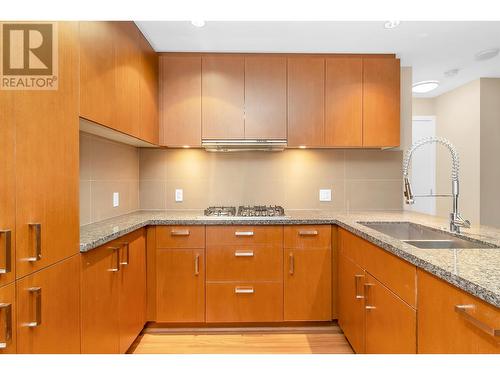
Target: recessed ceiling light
[424, 86]
[391, 24]
[487, 54]
[198, 23]
[451, 72]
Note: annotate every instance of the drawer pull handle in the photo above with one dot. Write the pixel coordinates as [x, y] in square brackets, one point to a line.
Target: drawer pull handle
[37, 293]
[239, 253]
[462, 311]
[291, 268]
[118, 263]
[180, 232]
[8, 251]
[243, 234]
[126, 262]
[243, 290]
[367, 304]
[196, 265]
[357, 278]
[37, 242]
[308, 232]
[8, 324]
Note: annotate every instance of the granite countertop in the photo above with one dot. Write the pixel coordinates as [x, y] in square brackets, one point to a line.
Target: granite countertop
[477, 271]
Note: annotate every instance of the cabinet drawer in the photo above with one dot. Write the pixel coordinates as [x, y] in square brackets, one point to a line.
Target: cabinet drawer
[308, 236]
[245, 235]
[244, 263]
[180, 237]
[244, 302]
[452, 321]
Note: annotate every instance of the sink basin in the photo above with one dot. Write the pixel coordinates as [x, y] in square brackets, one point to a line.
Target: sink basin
[425, 237]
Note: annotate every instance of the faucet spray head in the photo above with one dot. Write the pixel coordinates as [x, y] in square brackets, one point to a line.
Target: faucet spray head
[408, 192]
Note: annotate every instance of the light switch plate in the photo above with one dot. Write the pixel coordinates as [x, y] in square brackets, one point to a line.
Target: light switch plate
[116, 199]
[179, 195]
[325, 195]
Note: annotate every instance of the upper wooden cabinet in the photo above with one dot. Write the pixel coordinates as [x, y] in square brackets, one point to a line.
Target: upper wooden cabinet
[381, 102]
[306, 101]
[344, 102]
[8, 344]
[265, 97]
[118, 79]
[180, 100]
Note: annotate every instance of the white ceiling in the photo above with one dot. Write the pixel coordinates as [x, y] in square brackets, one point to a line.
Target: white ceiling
[431, 48]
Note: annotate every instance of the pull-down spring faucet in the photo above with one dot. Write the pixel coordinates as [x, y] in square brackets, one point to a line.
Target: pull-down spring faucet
[456, 220]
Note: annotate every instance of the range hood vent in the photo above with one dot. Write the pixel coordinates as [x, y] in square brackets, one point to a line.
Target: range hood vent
[234, 145]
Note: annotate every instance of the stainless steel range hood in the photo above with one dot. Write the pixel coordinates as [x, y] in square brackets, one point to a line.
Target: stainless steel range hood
[234, 145]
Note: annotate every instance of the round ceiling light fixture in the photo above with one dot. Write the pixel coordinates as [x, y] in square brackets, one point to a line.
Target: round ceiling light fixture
[487, 54]
[424, 86]
[391, 24]
[198, 23]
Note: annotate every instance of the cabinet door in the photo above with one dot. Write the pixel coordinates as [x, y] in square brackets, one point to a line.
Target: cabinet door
[7, 189]
[381, 108]
[148, 98]
[132, 288]
[48, 310]
[265, 97]
[308, 284]
[344, 102]
[47, 136]
[180, 95]
[8, 319]
[223, 97]
[100, 288]
[306, 101]
[97, 75]
[180, 285]
[451, 321]
[391, 324]
[351, 303]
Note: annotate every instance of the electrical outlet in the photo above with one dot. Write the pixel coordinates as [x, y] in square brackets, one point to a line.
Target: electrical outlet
[116, 199]
[179, 195]
[325, 195]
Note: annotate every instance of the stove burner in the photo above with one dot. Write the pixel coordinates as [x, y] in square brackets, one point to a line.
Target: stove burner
[220, 211]
[260, 211]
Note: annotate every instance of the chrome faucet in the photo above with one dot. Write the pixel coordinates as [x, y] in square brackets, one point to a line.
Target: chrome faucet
[456, 220]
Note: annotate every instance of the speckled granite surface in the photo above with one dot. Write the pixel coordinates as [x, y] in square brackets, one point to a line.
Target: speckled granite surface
[476, 271]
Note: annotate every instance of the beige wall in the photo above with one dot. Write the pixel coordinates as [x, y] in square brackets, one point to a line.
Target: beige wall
[406, 107]
[423, 107]
[107, 167]
[359, 179]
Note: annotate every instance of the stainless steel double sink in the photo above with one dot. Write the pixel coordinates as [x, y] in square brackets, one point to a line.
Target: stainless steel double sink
[425, 237]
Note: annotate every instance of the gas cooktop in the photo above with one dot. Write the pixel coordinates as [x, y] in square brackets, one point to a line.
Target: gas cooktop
[245, 211]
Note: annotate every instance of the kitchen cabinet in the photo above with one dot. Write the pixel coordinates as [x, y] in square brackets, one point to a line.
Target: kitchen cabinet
[344, 102]
[306, 101]
[46, 165]
[308, 273]
[223, 98]
[48, 309]
[149, 93]
[451, 321]
[381, 102]
[265, 97]
[180, 98]
[8, 342]
[7, 189]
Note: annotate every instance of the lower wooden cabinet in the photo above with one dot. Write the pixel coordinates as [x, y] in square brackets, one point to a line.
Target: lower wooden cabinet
[113, 294]
[453, 321]
[48, 309]
[8, 319]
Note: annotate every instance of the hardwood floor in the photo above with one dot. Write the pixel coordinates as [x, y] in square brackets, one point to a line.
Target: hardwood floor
[263, 340]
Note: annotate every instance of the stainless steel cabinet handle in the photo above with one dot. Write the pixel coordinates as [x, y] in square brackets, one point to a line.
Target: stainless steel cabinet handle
[243, 234]
[367, 290]
[37, 242]
[8, 251]
[357, 278]
[180, 232]
[308, 232]
[37, 293]
[243, 253]
[291, 268]
[243, 290]
[117, 255]
[197, 265]
[462, 311]
[127, 246]
[8, 324]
